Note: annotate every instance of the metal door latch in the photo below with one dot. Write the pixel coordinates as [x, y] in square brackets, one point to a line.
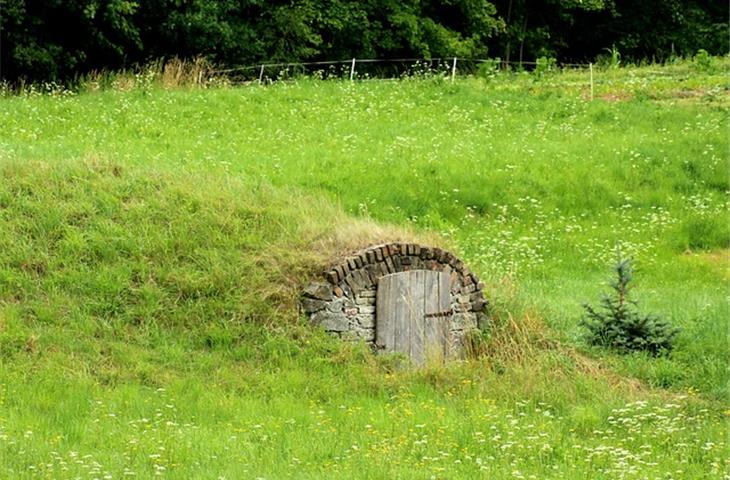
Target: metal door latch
[445, 313]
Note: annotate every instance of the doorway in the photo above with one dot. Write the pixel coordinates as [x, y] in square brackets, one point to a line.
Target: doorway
[413, 314]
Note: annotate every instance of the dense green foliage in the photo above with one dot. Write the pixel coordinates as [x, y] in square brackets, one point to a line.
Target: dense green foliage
[59, 39]
[153, 243]
[580, 30]
[44, 40]
[618, 323]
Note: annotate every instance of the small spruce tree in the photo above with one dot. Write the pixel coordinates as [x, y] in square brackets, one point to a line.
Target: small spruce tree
[617, 322]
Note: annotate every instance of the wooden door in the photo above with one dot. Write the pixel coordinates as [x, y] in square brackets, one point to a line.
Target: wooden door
[413, 314]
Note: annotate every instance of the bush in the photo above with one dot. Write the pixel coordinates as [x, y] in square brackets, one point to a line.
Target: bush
[489, 68]
[618, 324]
[545, 65]
[703, 61]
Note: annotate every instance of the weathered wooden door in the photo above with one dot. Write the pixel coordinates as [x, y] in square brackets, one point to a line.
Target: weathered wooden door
[412, 314]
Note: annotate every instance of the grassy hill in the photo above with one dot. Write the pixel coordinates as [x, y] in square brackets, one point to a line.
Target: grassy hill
[153, 243]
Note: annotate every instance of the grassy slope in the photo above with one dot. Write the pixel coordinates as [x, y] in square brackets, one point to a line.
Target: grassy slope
[153, 243]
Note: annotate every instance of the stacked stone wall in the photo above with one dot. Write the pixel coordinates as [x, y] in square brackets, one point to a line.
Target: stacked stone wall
[344, 303]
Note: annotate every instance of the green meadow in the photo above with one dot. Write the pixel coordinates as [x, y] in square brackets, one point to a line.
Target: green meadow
[154, 241]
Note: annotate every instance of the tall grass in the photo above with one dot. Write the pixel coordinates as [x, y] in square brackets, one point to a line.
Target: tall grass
[153, 242]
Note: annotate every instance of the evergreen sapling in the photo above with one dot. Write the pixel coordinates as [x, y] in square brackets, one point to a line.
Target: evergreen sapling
[617, 322]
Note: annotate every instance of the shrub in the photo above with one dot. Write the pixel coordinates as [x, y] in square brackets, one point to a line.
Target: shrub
[489, 68]
[703, 61]
[618, 324]
[545, 65]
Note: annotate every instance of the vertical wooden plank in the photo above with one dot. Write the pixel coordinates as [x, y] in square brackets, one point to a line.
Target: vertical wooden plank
[417, 320]
[432, 341]
[384, 321]
[444, 300]
[402, 308]
[444, 291]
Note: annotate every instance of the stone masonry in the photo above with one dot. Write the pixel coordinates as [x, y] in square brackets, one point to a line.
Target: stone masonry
[344, 303]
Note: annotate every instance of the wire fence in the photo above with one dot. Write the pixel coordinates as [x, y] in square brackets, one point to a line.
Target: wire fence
[591, 81]
[380, 68]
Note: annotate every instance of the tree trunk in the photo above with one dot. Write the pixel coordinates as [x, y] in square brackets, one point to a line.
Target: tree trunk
[522, 38]
[509, 39]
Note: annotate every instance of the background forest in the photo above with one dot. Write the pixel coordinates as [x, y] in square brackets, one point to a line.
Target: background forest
[60, 39]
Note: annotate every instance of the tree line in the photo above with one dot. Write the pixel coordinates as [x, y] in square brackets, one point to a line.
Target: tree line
[61, 39]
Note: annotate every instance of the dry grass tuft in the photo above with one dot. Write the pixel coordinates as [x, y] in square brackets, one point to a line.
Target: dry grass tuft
[351, 235]
[519, 339]
[184, 73]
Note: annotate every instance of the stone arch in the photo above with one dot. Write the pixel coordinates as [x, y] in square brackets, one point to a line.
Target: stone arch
[343, 303]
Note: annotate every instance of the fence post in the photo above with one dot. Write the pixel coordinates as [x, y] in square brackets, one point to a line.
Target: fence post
[261, 74]
[590, 67]
[352, 70]
[453, 71]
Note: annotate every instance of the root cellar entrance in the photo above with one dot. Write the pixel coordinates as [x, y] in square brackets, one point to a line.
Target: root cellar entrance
[405, 298]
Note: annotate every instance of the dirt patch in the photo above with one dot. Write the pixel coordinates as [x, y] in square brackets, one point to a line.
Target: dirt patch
[711, 96]
[717, 259]
[694, 93]
[615, 96]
